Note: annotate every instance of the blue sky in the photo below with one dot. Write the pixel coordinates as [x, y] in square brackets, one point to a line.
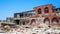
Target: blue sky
[9, 7]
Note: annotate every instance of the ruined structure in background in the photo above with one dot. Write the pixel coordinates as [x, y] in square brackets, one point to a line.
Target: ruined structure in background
[48, 14]
[23, 17]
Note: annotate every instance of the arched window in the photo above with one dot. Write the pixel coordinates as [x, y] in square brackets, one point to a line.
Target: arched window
[54, 20]
[39, 11]
[46, 20]
[33, 20]
[46, 10]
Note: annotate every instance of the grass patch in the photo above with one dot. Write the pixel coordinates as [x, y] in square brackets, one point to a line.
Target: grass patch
[58, 28]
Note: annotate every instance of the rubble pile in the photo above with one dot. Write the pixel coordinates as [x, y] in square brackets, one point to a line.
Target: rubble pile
[39, 29]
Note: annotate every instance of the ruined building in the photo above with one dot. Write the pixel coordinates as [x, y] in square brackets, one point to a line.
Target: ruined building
[22, 18]
[47, 14]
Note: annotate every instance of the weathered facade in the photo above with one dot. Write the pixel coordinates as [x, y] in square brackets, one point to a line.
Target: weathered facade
[48, 14]
[22, 18]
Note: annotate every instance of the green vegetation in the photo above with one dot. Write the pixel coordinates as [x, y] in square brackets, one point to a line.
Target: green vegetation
[58, 28]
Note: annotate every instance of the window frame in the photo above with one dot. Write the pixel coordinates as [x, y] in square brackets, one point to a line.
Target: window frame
[39, 11]
[46, 10]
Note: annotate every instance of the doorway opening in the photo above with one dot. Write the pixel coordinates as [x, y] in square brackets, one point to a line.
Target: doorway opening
[17, 22]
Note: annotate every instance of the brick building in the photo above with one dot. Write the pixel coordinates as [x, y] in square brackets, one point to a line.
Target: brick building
[48, 14]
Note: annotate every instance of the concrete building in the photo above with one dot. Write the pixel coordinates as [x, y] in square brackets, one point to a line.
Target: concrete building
[23, 17]
[8, 21]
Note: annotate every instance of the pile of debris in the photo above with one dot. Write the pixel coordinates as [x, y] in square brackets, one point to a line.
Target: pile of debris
[38, 29]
